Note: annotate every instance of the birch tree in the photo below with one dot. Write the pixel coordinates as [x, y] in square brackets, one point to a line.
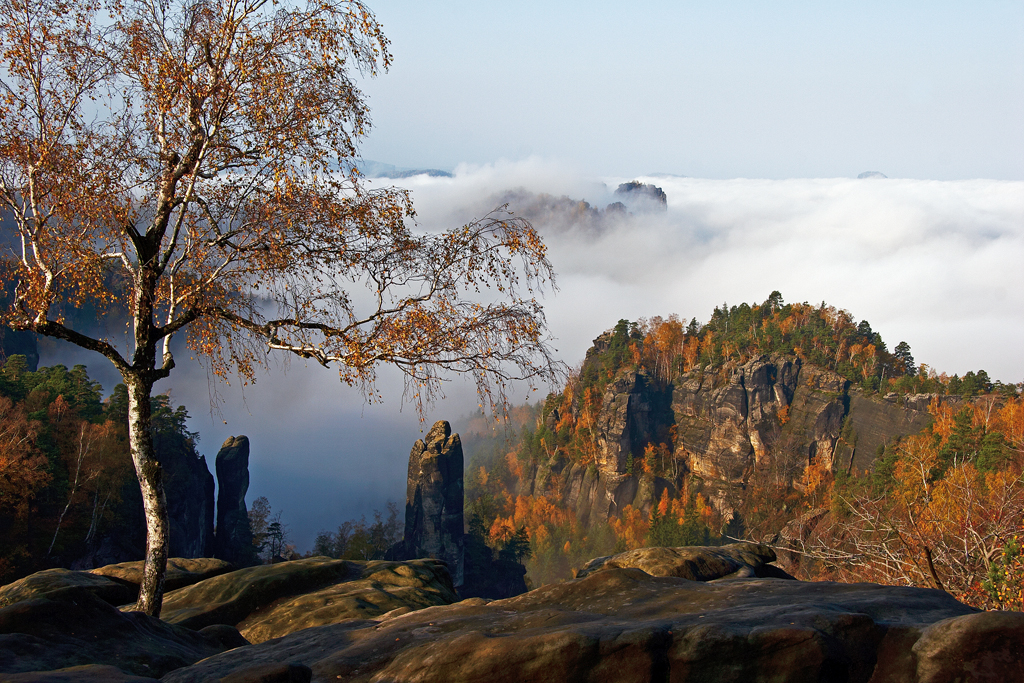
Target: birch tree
[187, 165]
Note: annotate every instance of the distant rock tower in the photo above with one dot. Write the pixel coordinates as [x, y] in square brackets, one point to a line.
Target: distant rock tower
[433, 500]
[234, 535]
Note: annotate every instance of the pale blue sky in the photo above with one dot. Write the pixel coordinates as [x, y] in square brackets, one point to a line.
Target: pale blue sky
[717, 89]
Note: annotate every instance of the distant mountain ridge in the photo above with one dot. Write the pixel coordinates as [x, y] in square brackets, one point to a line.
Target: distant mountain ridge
[377, 169]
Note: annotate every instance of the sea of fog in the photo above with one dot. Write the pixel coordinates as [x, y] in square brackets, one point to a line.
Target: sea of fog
[936, 264]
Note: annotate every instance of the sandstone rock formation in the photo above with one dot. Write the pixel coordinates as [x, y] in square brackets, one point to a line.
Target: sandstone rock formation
[625, 625]
[561, 214]
[642, 196]
[41, 584]
[117, 584]
[72, 627]
[233, 536]
[326, 620]
[696, 563]
[181, 572]
[270, 601]
[775, 410]
[434, 522]
[189, 488]
[86, 673]
[434, 500]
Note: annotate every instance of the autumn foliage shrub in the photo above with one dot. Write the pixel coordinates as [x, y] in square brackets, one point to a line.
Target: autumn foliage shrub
[945, 510]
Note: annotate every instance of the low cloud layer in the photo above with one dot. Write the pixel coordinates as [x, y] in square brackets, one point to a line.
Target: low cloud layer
[937, 264]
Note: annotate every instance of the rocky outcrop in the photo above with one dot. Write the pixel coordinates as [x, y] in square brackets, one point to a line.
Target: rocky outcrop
[727, 420]
[776, 411]
[73, 626]
[325, 620]
[434, 522]
[270, 601]
[233, 536]
[874, 423]
[561, 214]
[434, 525]
[983, 646]
[782, 412]
[633, 412]
[696, 563]
[642, 196]
[41, 584]
[189, 489]
[86, 673]
[181, 572]
[622, 624]
[58, 619]
[117, 584]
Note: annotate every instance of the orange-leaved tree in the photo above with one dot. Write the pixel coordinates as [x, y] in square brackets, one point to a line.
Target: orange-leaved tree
[946, 509]
[187, 165]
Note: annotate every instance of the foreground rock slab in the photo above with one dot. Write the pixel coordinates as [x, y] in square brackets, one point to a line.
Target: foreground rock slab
[181, 571]
[88, 673]
[49, 581]
[73, 627]
[622, 624]
[117, 584]
[271, 601]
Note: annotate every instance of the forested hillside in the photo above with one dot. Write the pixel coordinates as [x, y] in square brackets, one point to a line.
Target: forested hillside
[68, 492]
[790, 424]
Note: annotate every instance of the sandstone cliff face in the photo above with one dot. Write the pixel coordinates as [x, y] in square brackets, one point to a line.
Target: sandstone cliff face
[190, 510]
[874, 422]
[189, 487]
[723, 426]
[434, 500]
[776, 411]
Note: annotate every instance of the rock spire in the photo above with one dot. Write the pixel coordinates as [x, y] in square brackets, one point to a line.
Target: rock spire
[434, 500]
